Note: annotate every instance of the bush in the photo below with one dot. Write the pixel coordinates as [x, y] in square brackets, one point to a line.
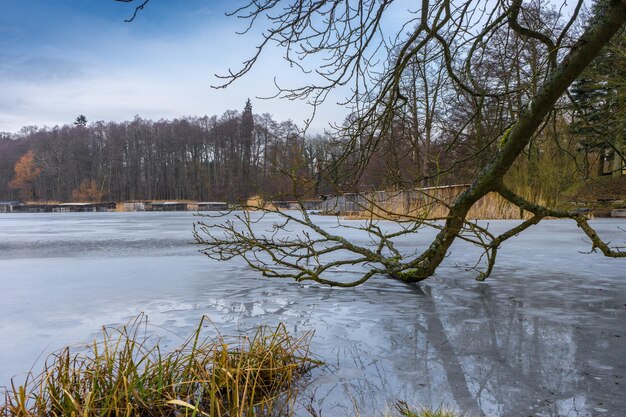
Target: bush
[127, 374]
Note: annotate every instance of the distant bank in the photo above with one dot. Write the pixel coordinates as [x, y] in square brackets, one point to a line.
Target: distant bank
[22, 207]
[423, 203]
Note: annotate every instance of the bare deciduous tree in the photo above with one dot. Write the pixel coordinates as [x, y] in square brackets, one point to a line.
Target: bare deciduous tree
[355, 47]
[509, 97]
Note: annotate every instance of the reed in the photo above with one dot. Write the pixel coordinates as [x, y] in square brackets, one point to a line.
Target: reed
[404, 410]
[259, 203]
[126, 373]
[430, 204]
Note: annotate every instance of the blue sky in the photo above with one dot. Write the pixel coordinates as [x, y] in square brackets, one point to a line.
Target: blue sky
[62, 58]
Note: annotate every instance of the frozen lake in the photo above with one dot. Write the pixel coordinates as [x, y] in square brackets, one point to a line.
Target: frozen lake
[544, 336]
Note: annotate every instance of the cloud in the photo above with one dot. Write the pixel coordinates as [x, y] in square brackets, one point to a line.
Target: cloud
[120, 72]
[204, 11]
[37, 68]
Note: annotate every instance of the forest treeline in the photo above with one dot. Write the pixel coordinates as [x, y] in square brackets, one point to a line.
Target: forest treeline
[436, 134]
[193, 158]
[240, 154]
[231, 157]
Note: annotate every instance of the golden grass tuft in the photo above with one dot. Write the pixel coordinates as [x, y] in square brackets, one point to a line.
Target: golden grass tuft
[405, 411]
[127, 374]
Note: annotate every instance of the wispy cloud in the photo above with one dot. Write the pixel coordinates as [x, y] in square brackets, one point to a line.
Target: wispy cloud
[114, 71]
[204, 11]
[38, 68]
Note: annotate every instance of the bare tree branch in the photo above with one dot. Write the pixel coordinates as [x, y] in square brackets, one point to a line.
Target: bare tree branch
[137, 8]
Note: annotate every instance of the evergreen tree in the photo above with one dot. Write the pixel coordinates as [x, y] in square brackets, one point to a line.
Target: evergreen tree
[246, 133]
[81, 120]
[599, 99]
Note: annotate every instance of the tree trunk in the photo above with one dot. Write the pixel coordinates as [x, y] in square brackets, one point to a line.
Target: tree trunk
[518, 137]
[618, 163]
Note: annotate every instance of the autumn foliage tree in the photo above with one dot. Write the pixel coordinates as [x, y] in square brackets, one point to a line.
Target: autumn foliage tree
[87, 192]
[26, 172]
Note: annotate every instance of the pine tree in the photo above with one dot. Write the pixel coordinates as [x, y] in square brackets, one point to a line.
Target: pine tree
[246, 135]
[81, 120]
[600, 98]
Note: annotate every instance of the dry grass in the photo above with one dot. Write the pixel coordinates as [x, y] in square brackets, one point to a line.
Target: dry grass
[257, 202]
[404, 410]
[43, 202]
[433, 204]
[493, 206]
[126, 374]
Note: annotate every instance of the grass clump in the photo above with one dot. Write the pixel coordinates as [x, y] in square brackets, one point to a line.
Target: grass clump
[404, 410]
[127, 374]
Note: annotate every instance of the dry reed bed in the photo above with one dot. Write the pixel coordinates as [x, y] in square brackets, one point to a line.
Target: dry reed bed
[127, 374]
[429, 205]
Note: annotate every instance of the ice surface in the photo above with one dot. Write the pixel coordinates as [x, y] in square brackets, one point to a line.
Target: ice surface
[544, 336]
